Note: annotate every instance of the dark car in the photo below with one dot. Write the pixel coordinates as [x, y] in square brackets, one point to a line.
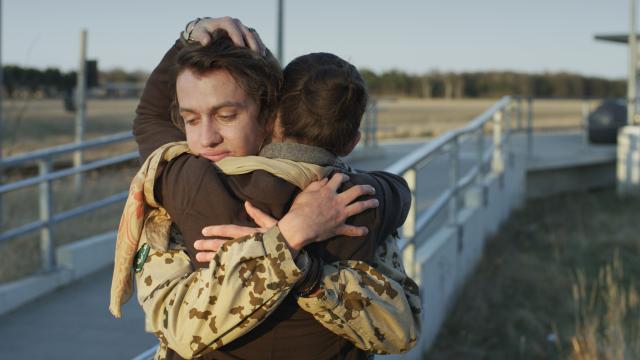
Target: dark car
[603, 123]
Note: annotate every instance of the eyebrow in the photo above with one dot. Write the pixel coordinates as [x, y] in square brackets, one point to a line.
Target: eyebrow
[217, 107]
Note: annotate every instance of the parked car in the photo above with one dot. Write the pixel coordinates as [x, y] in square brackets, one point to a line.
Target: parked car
[603, 123]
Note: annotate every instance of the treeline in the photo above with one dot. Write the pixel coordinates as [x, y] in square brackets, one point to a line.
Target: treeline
[52, 82]
[491, 84]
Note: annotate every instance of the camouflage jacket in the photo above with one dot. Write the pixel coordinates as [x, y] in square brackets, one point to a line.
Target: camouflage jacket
[377, 307]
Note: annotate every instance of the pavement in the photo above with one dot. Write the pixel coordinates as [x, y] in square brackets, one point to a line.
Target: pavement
[73, 322]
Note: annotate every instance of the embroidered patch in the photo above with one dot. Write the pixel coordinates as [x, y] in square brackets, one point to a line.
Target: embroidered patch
[141, 257]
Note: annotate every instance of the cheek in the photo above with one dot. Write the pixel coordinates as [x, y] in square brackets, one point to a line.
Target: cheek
[192, 138]
[249, 139]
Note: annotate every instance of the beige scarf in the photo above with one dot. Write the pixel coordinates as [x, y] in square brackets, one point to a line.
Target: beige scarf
[144, 219]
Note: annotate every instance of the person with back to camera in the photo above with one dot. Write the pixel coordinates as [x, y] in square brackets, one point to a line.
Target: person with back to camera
[356, 249]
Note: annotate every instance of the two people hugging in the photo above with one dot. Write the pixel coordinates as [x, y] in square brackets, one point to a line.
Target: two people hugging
[253, 239]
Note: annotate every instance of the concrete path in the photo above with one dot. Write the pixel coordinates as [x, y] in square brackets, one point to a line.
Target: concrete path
[74, 323]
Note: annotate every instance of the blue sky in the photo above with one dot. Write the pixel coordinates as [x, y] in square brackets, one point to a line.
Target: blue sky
[414, 36]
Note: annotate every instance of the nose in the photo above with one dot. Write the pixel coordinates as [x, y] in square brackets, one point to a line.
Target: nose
[209, 135]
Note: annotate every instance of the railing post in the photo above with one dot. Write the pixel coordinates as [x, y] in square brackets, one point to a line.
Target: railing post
[530, 126]
[409, 227]
[367, 124]
[374, 123]
[46, 237]
[497, 162]
[519, 112]
[480, 152]
[454, 165]
[506, 136]
[81, 108]
[585, 120]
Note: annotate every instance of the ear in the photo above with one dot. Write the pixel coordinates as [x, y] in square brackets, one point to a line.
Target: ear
[352, 145]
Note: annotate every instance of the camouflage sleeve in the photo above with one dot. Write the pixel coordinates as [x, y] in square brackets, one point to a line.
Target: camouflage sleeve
[376, 307]
[196, 311]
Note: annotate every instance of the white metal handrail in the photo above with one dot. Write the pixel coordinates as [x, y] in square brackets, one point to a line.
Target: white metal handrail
[494, 156]
[44, 158]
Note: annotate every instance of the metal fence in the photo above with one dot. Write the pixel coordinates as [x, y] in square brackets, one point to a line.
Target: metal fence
[46, 175]
[488, 157]
[45, 158]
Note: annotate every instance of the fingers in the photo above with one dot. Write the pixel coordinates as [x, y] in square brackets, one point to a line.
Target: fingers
[203, 29]
[207, 248]
[353, 231]
[262, 219]
[240, 34]
[239, 31]
[252, 40]
[354, 192]
[205, 257]
[360, 206]
[263, 48]
[208, 244]
[229, 231]
[336, 180]
[201, 34]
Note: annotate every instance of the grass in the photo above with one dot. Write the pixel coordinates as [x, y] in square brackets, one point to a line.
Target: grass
[419, 117]
[551, 285]
[34, 124]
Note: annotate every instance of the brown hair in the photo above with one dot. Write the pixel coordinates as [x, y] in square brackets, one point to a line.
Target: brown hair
[322, 102]
[260, 77]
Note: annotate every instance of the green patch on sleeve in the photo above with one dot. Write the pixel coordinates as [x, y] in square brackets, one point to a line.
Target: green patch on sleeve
[141, 257]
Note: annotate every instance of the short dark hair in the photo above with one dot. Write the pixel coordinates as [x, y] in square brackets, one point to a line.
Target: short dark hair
[260, 77]
[323, 98]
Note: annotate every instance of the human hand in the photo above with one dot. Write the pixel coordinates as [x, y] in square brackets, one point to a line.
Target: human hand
[207, 247]
[240, 34]
[319, 212]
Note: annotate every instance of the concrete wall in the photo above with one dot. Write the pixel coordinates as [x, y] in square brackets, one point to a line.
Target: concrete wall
[628, 165]
[450, 255]
[76, 261]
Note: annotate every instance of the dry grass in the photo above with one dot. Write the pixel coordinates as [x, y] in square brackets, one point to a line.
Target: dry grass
[607, 316]
[419, 117]
[519, 303]
[35, 124]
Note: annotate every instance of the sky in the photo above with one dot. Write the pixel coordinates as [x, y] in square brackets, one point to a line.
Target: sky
[415, 36]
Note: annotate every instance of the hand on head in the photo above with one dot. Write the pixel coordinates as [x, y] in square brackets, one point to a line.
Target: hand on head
[240, 34]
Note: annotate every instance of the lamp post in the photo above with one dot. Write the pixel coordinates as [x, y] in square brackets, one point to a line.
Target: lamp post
[280, 31]
[632, 83]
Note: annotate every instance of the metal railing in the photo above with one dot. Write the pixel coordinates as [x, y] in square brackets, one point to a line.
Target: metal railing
[46, 175]
[44, 159]
[488, 158]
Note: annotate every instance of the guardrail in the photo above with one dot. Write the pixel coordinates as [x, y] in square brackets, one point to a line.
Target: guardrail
[494, 156]
[44, 159]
